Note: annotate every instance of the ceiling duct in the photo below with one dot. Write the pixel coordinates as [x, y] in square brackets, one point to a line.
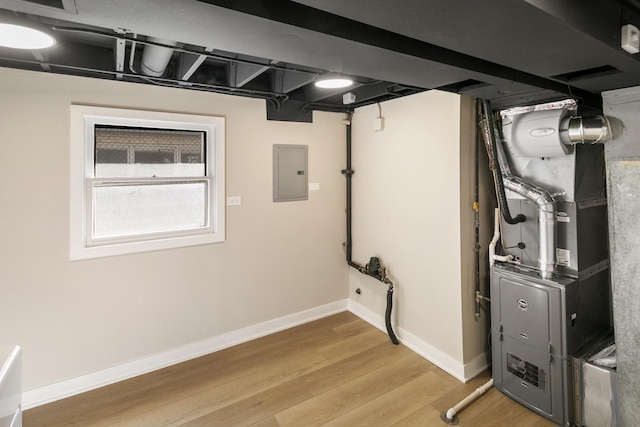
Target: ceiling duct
[155, 58]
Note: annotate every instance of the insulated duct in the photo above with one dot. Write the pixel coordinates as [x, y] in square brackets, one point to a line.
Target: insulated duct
[155, 58]
[544, 201]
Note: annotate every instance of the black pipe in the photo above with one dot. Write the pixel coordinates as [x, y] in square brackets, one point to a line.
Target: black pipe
[376, 272]
[348, 173]
[476, 209]
[387, 316]
[497, 174]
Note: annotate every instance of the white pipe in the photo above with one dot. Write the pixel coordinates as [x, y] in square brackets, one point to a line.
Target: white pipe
[492, 246]
[156, 58]
[467, 400]
[503, 258]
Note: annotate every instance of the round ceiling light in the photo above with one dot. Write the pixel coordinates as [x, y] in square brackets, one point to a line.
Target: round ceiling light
[20, 37]
[334, 82]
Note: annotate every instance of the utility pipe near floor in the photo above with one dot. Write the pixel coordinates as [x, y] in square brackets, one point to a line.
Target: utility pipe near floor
[373, 268]
[450, 416]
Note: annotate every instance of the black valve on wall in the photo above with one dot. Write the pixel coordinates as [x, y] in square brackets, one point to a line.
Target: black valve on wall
[374, 269]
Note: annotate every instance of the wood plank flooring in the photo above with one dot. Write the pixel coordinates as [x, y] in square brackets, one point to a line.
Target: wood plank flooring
[337, 371]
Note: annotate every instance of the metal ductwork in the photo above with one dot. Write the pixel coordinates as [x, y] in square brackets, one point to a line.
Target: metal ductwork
[543, 200]
[155, 57]
[586, 130]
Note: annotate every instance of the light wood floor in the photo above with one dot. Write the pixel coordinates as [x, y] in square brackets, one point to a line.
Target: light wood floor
[337, 371]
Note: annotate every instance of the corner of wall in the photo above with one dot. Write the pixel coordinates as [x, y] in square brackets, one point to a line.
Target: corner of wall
[474, 328]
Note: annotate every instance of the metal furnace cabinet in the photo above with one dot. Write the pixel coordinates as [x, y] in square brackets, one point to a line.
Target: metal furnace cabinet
[537, 325]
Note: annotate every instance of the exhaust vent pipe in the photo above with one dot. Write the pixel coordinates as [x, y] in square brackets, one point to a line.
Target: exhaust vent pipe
[544, 201]
[156, 58]
[586, 130]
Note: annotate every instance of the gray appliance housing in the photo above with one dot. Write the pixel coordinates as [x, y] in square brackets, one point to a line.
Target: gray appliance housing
[578, 184]
[538, 324]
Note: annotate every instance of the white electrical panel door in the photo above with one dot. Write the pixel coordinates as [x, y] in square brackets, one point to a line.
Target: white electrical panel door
[290, 182]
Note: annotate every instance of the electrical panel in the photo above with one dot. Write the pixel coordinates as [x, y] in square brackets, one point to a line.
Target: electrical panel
[290, 181]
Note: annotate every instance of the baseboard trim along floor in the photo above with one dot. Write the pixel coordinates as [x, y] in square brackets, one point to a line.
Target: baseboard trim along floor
[63, 389]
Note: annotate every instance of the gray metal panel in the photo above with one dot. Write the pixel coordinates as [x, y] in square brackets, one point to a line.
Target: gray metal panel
[596, 399]
[623, 176]
[526, 283]
[623, 108]
[581, 205]
[526, 233]
[524, 312]
[551, 398]
[590, 173]
[537, 391]
[582, 235]
[624, 201]
[599, 392]
[290, 181]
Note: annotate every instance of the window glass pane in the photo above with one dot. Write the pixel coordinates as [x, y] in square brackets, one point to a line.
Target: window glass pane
[133, 209]
[112, 155]
[130, 152]
[153, 157]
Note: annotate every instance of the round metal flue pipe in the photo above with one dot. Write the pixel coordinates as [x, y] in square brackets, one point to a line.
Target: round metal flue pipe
[587, 130]
[156, 58]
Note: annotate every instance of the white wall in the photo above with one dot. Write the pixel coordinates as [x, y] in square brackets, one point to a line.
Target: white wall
[412, 207]
[76, 318]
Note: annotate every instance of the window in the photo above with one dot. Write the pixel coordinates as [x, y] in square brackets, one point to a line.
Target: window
[144, 181]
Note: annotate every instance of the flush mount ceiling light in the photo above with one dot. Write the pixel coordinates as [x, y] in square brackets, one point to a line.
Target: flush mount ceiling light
[333, 82]
[24, 37]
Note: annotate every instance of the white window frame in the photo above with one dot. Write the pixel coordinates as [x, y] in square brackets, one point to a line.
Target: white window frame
[83, 119]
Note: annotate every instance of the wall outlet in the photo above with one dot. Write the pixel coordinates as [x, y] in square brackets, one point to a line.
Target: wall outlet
[234, 201]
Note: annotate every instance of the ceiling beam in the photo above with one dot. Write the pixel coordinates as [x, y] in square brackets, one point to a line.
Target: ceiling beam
[40, 58]
[189, 63]
[302, 16]
[119, 53]
[287, 81]
[241, 73]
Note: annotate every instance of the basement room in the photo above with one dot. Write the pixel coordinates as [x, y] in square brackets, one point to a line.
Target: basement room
[319, 213]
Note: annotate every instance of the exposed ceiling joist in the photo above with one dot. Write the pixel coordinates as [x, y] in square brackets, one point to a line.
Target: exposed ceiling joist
[242, 73]
[288, 81]
[518, 51]
[119, 51]
[189, 63]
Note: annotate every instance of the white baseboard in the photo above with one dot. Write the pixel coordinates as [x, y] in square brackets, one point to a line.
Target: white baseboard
[478, 365]
[66, 388]
[60, 390]
[462, 372]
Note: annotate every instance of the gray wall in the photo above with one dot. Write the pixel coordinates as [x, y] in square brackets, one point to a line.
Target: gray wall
[623, 184]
